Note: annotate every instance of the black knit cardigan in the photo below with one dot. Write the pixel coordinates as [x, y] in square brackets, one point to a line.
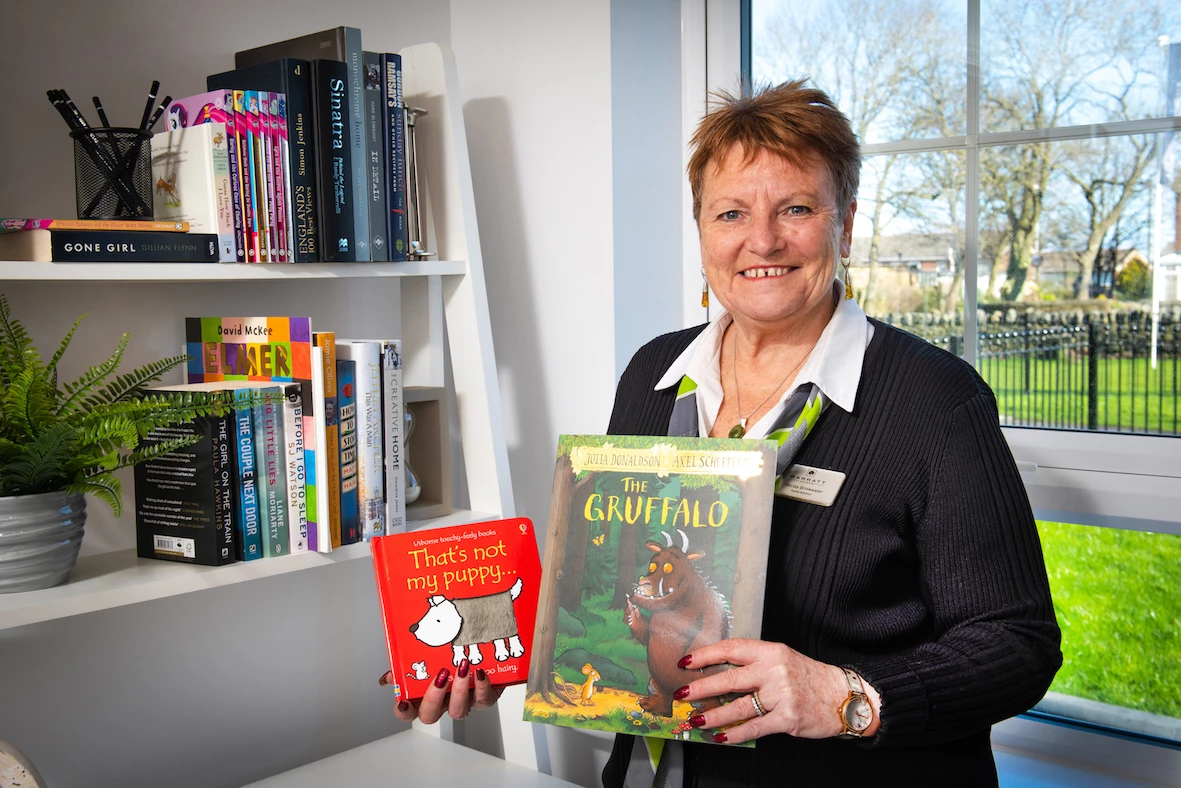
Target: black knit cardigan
[925, 575]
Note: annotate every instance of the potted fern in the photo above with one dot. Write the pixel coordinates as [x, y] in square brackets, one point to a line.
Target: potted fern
[60, 442]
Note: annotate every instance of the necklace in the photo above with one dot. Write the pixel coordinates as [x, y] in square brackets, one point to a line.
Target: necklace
[739, 429]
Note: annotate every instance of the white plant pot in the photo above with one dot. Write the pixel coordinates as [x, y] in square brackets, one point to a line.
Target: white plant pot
[40, 536]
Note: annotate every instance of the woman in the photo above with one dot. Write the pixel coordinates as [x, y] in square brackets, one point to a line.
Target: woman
[910, 612]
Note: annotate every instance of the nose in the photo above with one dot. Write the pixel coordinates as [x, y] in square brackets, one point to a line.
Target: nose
[764, 238]
[413, 628]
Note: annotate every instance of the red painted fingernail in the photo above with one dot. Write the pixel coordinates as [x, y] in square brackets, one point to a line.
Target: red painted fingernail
[441, 679]
[719, 738]
[697, 721]
[681, 694]
[464, 667]
[684, 661]
[481, 675]
[403, 706]
[384, 680]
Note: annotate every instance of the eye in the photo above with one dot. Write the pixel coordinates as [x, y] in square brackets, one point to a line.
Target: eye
[668, 568]
[730, 216]
[651, 567]
[799, 210]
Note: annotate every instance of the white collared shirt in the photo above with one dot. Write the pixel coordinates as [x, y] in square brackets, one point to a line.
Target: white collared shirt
[831, 365]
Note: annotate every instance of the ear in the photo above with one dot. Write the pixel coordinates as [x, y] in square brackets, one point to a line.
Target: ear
[436, 600]
[695, 556]
[653, 546]
[847, 230]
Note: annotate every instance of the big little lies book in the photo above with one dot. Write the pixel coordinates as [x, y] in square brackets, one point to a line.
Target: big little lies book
[656, 546]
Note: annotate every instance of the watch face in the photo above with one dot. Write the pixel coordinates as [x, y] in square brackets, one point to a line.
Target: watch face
[858, 714]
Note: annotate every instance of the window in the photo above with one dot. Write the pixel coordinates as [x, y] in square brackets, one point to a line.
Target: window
[1021, 206]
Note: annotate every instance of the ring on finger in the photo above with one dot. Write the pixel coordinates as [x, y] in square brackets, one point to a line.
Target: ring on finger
[754, 699]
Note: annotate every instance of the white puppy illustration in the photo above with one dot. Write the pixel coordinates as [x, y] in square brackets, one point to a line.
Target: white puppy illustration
[466, 623]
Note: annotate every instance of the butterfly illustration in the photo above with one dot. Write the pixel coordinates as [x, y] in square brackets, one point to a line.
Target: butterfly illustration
[598, 540]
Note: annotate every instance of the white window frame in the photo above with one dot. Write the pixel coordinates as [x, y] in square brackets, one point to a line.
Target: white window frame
[1102, 479]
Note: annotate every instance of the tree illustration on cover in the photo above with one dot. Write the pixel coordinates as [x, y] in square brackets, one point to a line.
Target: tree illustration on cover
[655, 547]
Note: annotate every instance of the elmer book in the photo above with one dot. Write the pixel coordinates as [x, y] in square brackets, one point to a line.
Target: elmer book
[463, 592]
[656, 546]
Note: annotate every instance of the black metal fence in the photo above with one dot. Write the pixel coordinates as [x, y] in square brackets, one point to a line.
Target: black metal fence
[1072, 369]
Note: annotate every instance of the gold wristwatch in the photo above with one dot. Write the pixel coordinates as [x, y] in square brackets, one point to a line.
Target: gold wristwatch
[856, 712]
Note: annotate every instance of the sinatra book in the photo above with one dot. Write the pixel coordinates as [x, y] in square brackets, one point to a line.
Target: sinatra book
[656, 546]
[462, 592]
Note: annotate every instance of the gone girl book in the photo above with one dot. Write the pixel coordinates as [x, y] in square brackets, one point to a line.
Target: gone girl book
[462, 592]
[655, 547]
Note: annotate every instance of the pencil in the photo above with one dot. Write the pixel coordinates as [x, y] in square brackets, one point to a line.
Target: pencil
[143, 123]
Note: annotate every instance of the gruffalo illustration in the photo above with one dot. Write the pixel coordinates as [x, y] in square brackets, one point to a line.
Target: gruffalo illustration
[687, 613]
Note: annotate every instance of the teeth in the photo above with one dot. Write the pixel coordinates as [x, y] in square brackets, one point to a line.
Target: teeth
[759, 273]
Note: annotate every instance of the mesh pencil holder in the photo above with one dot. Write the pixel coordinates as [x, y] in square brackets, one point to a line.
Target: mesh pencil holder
[113, 173]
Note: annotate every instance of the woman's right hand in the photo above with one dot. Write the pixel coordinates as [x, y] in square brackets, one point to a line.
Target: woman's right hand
[455, 696]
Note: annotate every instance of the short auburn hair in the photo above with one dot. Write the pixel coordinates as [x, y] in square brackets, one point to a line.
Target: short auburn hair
[793, 121]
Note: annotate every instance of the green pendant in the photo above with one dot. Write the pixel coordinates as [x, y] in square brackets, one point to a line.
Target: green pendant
[737, 431]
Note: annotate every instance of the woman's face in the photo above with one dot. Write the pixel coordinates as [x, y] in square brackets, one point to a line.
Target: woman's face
[771, 234]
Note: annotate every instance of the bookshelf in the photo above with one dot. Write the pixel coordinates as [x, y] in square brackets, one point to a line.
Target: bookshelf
[274, 663]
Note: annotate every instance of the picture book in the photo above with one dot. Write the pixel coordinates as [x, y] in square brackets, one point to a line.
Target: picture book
[245, 139]
[258, 173]
[461, 592]
[264, 349]
[656, 546]
[192, 183]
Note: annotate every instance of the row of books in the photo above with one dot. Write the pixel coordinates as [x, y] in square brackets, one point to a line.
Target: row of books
[296, 155]
[310, 459]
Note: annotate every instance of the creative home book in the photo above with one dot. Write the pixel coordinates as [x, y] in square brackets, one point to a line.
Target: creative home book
[463, 592]
[656, 546]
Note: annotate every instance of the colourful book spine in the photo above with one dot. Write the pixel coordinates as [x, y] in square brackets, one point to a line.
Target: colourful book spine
[370, 443]
[246, 173]
[265, 166]
[276, 536]
[275, 179]
[19, 225]
[279, 118]
[325, 341]
[250, 536]
[258, 174]
[296, 470]
[346, 397]
[319, 535]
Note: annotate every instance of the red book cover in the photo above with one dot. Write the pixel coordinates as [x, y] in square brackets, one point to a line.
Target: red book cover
[467, 591]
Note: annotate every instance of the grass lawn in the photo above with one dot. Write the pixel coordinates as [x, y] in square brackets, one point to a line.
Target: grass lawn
[1116, 597]
[1132, 396]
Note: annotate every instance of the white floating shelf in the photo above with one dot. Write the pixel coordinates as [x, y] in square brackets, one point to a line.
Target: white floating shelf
[220, 272]
[111, 580]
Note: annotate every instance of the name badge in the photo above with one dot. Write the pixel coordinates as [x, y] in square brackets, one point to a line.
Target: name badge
[811, 485]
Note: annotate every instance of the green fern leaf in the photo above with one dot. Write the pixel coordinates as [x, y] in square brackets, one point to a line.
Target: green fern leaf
[79, 389]
[105, 486]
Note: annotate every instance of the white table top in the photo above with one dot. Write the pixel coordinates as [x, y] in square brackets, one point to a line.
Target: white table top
[410, 759]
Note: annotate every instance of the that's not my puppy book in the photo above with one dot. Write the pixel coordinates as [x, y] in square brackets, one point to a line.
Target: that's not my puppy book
[656, 546]
[455, 593]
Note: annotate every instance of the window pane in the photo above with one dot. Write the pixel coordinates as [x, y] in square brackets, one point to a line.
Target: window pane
[906, 264]
[1115, 595]
[868, 53]
[1044, 63]
[1067, 336]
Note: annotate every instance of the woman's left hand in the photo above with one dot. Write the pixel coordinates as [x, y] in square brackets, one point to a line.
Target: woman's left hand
[799, 695]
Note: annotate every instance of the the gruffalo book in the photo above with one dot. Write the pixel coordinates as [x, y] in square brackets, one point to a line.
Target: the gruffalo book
[461, 592]
[656, 546]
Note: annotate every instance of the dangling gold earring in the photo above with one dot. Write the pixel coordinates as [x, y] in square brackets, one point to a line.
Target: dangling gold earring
[848, 284]
[704, 289]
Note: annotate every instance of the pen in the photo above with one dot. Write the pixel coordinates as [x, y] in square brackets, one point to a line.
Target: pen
[102, 115]
[159, 111]
[143, 123]
[74, 110]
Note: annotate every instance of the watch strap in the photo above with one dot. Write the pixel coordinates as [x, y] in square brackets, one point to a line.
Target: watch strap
[856, 692]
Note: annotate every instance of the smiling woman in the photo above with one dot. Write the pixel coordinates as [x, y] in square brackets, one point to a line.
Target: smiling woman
[911, 610]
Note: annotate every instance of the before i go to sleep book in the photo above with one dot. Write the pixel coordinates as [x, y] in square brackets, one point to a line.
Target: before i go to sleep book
[656, 546]
[462, 592]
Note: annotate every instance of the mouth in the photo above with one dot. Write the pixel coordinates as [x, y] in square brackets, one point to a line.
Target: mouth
[765, 272]
[645, 589]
